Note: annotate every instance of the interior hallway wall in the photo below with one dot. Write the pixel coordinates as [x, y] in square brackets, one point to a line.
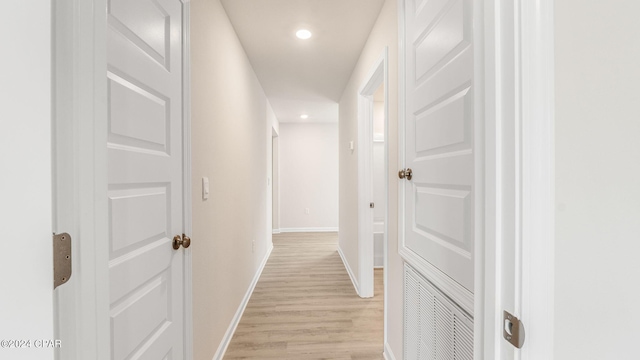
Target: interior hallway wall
[384, 33]
[229, 145]
[597, 53]
[308, 176]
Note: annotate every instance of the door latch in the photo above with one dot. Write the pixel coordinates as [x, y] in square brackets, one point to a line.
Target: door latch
[513, 330]
[61, 259]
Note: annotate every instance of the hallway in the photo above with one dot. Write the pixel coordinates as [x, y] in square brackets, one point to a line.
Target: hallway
[305, 306]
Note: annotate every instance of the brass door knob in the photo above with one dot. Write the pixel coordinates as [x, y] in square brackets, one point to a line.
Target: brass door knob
[401, 174]
[408, 174]
[183, 240]
[186, 241]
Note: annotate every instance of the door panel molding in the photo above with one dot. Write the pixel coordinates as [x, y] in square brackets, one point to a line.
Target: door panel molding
[443, 129]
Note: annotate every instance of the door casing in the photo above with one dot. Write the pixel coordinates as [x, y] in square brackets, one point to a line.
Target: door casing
[80, 177]
[378, 75]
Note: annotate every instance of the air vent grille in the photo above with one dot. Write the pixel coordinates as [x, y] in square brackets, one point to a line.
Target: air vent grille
[435, 328]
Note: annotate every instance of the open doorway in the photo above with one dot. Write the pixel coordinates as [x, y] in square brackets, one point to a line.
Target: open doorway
[378, 176]
[379, 193]
[275, 182]
[372, 180]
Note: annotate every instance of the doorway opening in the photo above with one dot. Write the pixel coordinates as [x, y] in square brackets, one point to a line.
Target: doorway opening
[373, 184]
[373, 180]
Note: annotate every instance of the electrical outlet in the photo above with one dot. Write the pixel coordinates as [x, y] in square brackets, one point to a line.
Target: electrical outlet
[306, 211]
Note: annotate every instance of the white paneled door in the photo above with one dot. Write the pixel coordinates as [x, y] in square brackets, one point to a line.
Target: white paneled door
[441, 144]
[145, 194]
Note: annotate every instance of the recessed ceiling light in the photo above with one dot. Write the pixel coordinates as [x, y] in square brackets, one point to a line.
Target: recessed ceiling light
[303, 34]
[304, 116]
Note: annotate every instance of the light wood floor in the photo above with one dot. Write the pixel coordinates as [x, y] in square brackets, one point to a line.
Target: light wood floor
[305, 307]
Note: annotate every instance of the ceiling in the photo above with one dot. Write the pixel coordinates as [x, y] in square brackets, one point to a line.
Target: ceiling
[303, 76]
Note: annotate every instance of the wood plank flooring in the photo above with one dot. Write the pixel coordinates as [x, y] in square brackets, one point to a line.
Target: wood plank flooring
[305, 307]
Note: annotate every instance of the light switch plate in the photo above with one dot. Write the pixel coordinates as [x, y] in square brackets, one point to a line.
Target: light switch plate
[351, 145]
[205, 188]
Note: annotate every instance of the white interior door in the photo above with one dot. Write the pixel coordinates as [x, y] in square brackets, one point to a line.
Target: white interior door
[145, 190]
[441, 205]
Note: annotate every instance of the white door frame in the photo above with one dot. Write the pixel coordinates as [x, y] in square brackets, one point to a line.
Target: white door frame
[80, 177]
[529, 58]
[532, 54]
[378, 75]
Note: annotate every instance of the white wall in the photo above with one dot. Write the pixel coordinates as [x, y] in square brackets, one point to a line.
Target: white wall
[308, 176]
[230, 131]
[26, 303]
[384, 33]
[597, 291]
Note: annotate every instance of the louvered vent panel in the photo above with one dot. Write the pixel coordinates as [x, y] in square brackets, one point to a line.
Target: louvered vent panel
[435, 328]
[427, 344]
[412, 316]
[463, 339]
[444, 332]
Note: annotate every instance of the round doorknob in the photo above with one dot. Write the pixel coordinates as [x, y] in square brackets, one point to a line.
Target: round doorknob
[408, 174]
[186, 241]
[177, 241]
[183, 240]
[401, 174]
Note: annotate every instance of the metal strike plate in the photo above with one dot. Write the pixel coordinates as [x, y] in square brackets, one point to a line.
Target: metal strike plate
[61, 259]
[513, 330]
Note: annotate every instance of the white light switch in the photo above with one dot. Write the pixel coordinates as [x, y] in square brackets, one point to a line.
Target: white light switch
[205, 188]
[351, 145]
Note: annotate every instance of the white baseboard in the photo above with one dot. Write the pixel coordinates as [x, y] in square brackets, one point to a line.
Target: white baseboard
[346, 265]
[275, 231]
[302, 230]
[222, 348]
[388, 354]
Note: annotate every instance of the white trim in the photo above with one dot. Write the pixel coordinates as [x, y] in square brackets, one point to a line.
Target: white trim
[226, 340]
[489, 346]
[80, 158]
[387, 353]
[378, 75]
[187, 177]
[275, 231]
[354, 281]
[310, 229]
[538, 215]
[529, 56]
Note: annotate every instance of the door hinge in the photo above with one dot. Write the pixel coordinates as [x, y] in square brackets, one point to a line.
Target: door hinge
[61, 259]
[513, 330]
